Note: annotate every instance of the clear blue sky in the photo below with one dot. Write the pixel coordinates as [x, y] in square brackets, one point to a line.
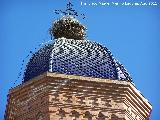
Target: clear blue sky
[132, 33]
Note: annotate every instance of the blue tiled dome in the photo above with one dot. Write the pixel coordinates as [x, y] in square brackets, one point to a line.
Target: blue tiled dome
[75, 57]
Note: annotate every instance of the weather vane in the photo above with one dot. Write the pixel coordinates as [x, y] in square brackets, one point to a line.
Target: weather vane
[69, 11]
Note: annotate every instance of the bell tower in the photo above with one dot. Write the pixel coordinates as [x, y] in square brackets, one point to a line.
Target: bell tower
[75, 79]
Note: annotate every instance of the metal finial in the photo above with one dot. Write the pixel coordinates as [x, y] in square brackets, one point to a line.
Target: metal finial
[69, 11]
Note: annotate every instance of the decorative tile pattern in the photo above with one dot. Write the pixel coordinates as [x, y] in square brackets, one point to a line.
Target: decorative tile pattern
[75, 57]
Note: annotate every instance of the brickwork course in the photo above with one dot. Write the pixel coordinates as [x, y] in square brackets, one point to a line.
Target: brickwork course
[53, 96]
